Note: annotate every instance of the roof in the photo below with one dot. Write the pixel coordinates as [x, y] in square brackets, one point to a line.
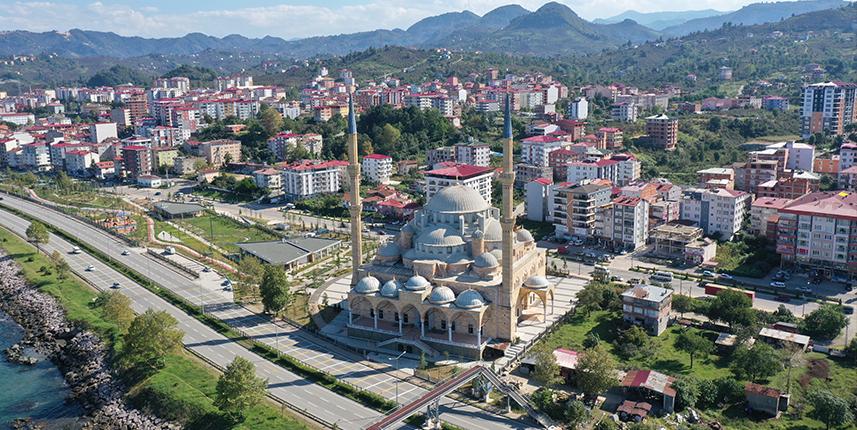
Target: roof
[176, 208]
[543, 181]
[650, 379]
[784, 336]
[460, 171]
[716, 171]
[761, 390]
[377, 157]
[565, 358]
[286, 251]
[457, 199]
[841, 204]
[647, 292]
[771, 202]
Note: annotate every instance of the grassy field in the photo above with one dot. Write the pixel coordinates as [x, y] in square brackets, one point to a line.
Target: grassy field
[182, 390]
[813, 371]
[224, 232]
[82, 199]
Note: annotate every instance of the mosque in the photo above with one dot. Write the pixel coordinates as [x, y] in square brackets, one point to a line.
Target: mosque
[459, 278]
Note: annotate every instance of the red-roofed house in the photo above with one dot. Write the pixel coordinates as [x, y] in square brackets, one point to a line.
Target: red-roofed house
[609, 138]
[834, 213]
[765, 399]
[477, 177]
[377, 168]
[104, 170]
[311, 177]
[651, 382]
[78, 162]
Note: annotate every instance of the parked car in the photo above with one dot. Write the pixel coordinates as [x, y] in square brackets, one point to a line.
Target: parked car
[206, 269]
[804, 289]
[708, 274]
[847, 310]
[125, 252]
[777, 284]
[115, 285]
[226, 283]
[577, 242]
[635, 281]
[726, 276]
[90, 267]
[616, 279]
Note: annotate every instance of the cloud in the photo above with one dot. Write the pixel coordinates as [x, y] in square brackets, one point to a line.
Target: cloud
[289, 20]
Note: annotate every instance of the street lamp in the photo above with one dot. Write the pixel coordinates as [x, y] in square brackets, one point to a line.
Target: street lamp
[396, 378]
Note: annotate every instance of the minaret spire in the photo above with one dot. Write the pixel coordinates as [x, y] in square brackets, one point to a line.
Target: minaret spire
[356, 206]
[507, 215]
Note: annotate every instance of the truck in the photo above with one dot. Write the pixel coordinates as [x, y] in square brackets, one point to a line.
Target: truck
[601, 273]
[715, 289]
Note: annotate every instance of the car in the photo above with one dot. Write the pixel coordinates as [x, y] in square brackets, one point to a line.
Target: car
[227, 288]
[777, 284]
[157, 193]
[576, 242]
[847, 310]
[804, 289]
[90, 267]
[726, 276]
[708, 273]
[635, 281]
[616, 279]
[206, 269]
[226, 282]
[125, 252]
[75, 250]
[115, 286]
[782, 298]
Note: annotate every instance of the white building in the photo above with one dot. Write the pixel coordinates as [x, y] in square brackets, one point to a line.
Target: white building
[18, 118]
[473, 153]
[717, 211]
[537, 200]
[477, 177]
[628, 168]
[280, 144]
[578, 109]
[579, 171]
[535, 150]
[625, 112]
[149, 181]
[762, 212]
[312, 177]
[828, 107]
[624, 222]
[847, 155]
[78, 162]
[101, 131]
[270, 180]
[377, 168]
[801, 155]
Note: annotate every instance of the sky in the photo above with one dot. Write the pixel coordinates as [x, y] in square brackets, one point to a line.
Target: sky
[288, 19]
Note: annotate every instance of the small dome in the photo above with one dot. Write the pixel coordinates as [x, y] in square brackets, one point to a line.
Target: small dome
[493, 231]
[440, 236]
[524, 235]
[498, 254]
[486, 260]
[441, 296]
[367, 285]
[457, 258]
[390, 250]
[416, 283]
[391, 289]
[457, 199]
[478, 234]
[469, 299]
[537, 282]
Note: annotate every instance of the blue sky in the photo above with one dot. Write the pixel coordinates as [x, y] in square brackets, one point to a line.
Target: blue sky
[283, 18]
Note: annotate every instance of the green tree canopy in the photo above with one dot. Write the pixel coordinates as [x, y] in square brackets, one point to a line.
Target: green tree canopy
[37, 233]
[239, 389]
[759, 362]
[547, 370]
[271, 121]
[829, 408]
[694, 344]
[826, 322]
[151, 336]
[116, 307]
[732, 307]
[596, 371]
[274, 290]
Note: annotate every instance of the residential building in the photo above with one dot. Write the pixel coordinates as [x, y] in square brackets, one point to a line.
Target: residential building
[647, 306]
[828, 107]
[377, 168]
[78, 162]
[764, 214]
[473, 153]
[137, 160]
[662, 131]
[583, 205]
[775, 103]
[558, 161]
[578, 109]
[826, 166]
[847, 155]
[625, 112]
[101, 131]
[535, 150]
[819, 230]
[717, 177]
[609, 138]
[719, 212]
[801, 156]
[623, 223]
[269, 179]
[308, 178]
[579, 171]
[443, 154]
[478, 178]
[186, 165]
[164, 157]
[767, 400]
[628, 168]
[538, 193]
[750, 174]
[220, 152]
[149, 181]
[681, 242]
[526, 173]
[792, 186]
[18, 118]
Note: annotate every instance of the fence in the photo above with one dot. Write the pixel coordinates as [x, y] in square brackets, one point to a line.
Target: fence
[172, 263]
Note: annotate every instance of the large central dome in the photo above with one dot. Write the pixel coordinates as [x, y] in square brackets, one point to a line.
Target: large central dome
[457, 199]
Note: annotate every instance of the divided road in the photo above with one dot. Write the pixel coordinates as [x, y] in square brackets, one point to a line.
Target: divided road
[306, 347]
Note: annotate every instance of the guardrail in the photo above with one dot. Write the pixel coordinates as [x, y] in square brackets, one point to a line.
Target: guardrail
[192, 273]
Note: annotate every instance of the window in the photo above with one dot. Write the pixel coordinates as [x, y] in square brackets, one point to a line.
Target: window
[470, 328]
[372, 313]
[380, 314]
[443, 324]
[396, 317]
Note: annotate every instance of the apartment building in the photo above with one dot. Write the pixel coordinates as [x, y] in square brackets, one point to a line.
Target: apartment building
[525, 173]
[308, 178]
[578, 109]
[628, 169]
[795, 184]
[537, 199]
[847, 155]
[718, 212]
[583, 203]
[801, 156]
[592, 168]
[442, 154]
[647, 306]
[479, 178]
[819, 231]
[377, 168]
[623, 223]
[473, 153]
[535, 150]
[78, 162]
[609, 138]
[221, 151]
[717, 177]
[282, 143]
[662, 131]
[137, 161]
[764, 214]
[625, 112]
[269, 179]
[750, 174]
[828, 107]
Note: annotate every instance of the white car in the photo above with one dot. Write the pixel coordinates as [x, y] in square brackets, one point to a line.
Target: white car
[90, 267]
[778, 284]
[726, 276]
[708, 273]
[125, 252]
[115, 285]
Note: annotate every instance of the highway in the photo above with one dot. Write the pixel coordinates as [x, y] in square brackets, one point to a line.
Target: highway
[307, 348]
[204, 341]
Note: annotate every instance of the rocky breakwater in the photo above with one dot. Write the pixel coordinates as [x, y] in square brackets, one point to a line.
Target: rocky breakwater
[78, 353]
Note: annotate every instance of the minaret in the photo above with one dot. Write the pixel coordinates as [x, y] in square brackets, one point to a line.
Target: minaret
[356, 204]
[507, 215]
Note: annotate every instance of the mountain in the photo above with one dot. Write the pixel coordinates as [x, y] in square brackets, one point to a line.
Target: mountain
[435, 27]
[502, 16]
[756, 13]
[659, 20]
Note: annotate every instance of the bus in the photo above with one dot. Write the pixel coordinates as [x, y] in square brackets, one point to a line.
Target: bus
[715, 289]
[663, 277]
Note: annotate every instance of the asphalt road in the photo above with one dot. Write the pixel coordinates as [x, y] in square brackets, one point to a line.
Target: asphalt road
[204, 341]
[292, 342]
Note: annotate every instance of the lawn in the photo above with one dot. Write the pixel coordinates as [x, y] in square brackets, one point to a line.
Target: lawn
[749, 257]
[224, 232]
[185, 382]
[82, 199]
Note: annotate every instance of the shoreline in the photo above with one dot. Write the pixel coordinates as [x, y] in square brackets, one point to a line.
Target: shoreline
[78, 353]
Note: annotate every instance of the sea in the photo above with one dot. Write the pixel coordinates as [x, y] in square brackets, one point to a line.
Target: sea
[38, 392]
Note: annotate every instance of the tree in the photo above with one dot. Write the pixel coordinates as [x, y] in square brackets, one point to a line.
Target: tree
[151, 336]
[596, 371]
[693, 344]
[760, 361]
[635, 342]
[687, 391]
[825, 322]
[387, 138]
[547, 370]
[116, 307]
[576, 414]
[239, 389]
[851, 350]
[682, 303]
[37, 233]
[271, 120]
[274, 290]
[829, 408]
[60, 265]
[732, 307]
[64, 183]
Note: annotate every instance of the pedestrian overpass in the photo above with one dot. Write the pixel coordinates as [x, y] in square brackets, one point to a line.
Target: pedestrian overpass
[431, 400]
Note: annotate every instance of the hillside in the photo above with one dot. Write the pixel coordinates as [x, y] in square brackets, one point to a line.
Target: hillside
[756, 13]
[659, 20]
